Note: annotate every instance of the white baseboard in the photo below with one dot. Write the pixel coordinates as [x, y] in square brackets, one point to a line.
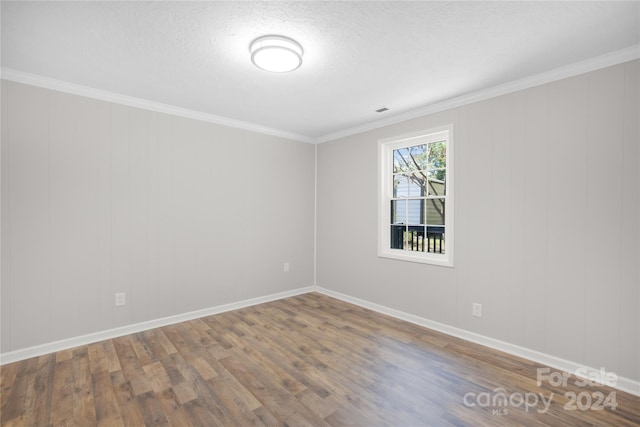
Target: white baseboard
[624, 384]
[39, 350]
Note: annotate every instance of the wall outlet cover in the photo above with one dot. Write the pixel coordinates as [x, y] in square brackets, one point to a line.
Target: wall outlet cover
[476, 310]
[120, 299]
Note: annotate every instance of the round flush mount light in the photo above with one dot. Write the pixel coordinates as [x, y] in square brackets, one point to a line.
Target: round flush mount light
[277, 54]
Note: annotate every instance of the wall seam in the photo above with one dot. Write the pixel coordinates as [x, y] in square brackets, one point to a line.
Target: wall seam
[585, 288]
[546, 225]
[315, 216]
[6, 234]
[50, 330]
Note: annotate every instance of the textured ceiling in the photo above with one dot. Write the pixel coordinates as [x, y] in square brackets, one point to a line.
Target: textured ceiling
[359, 56]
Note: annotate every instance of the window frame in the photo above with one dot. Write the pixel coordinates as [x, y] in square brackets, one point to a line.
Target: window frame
[386, 147]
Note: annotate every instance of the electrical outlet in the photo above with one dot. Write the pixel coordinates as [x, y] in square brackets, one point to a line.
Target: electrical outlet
[120, 299]
[286, 267]
[477, 309]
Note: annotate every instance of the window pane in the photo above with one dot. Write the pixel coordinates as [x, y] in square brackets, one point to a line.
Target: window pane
[435, 211]
[401, 160]
[417, 184]
[400, 186]
[415, 211]
[419, 155]
[436, 185]
[397, 237]
[415, 239]
[437, 155]
[435, 240]
[398, 212]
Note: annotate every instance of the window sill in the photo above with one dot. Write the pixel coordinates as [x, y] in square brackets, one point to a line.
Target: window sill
[418, 257]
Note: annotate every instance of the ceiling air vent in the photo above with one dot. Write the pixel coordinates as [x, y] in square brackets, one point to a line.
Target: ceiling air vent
[382, 110]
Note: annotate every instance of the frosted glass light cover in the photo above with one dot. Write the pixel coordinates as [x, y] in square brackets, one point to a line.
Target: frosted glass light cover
[276, 54]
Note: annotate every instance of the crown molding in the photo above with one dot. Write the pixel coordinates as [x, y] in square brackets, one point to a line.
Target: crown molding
[616, 57]
[592, 64]
[116, 98]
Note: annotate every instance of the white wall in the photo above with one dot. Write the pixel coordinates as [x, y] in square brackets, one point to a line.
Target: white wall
[181, 215]
[99, 198]
[547, 221]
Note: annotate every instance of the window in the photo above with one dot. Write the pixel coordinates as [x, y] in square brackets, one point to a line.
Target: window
[415, 213]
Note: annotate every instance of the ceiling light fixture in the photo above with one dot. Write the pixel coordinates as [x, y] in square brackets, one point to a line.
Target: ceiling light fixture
[277, 54]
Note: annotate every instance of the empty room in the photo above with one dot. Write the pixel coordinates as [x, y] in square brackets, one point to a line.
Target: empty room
[317, 213]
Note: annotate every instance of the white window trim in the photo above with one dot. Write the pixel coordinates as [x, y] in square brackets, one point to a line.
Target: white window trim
[385, 193]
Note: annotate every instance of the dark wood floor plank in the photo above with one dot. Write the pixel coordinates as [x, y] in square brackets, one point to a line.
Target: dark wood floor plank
[157, 376]
[151, 409]
[131, 365]
[98, 361]
[281, 403]
[8, 374]
[329, 365]
[63, 392]
[239, 410]
[43, 389]
[305, 360]
[84, 411]
[234, 390]
[313, 374]
[281, 354]
[206, 397]
[129, 410]
[110, 354]
[107, 408]
[173, 409]
[200, 415]
[251, 349]
[267, 418]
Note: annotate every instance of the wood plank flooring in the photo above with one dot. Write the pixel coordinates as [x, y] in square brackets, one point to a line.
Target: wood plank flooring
[308, 360]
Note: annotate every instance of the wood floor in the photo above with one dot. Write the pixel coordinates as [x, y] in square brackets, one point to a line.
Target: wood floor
[308, 360]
